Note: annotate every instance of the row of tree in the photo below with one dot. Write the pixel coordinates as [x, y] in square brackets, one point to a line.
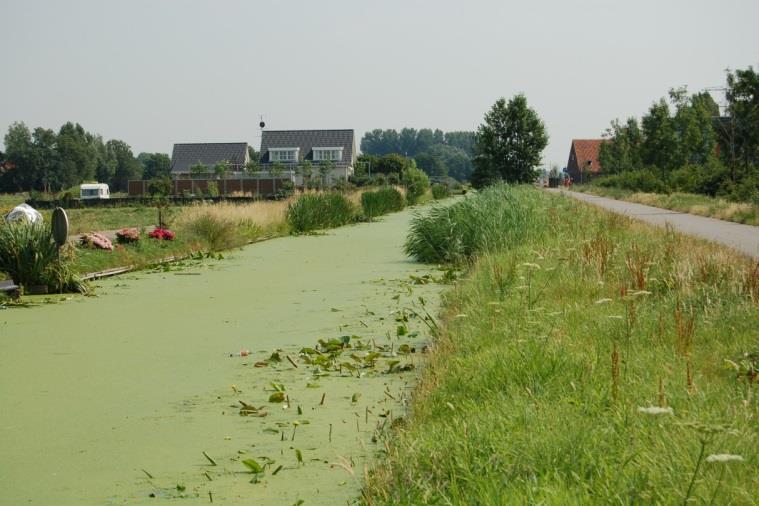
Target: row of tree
[687, 140]
[411, 142]
[436, 152]
[45, 160]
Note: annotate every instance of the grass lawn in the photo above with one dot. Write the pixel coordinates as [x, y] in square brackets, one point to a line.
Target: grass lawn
[598, 360]
[702, 205]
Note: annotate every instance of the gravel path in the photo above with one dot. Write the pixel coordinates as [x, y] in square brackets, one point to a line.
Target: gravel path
[744, 238]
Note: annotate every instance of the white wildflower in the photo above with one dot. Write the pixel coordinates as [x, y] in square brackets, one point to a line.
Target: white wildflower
[724, 457]
[655, 410]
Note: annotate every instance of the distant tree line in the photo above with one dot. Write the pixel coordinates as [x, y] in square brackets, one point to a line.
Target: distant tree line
[436, 152]
[49, 161]
[684, 143]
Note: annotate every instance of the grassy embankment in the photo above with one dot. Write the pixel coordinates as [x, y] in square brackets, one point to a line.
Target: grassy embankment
[702, 205]
[585, 358]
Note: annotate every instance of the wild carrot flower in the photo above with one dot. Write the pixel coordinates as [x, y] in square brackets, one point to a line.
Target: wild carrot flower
[655, 410]
[724, 457]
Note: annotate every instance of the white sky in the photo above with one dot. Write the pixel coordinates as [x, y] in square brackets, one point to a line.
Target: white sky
[156, 72]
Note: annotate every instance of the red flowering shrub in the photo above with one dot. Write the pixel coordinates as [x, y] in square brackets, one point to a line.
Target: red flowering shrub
[163, 234]
[127, 235]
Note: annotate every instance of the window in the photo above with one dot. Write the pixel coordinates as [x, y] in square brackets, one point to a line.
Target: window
[332, 154]
[283, 154]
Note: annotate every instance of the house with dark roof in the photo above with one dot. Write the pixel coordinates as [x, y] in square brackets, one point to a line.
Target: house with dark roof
[184, 156]
[291, 147]
[584, 162]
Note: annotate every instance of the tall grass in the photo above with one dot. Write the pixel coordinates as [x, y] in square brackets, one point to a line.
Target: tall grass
[313, 211]
[498, 217]
[224, 225]
[556, 380]
[29, 255]
[382, 201]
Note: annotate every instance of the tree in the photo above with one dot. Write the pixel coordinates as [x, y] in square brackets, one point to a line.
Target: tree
[743, 109]
[21, 173]
[221, 168]
[105, 164]
[305, 170]
[430, 164]
[276, 170]
[660, 146]
[392, 162]
[509, 143]
[325, 167]
[456, 162]
[198, 169]
[424, 140]
[462, 140]
[253, 154]
[622, 152]
[127, 166]
[407, 141]
[416, 183]
[77, 156]
[155, 165]
[252, 166]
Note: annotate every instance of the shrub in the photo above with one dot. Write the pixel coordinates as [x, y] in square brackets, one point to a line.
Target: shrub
[382, 201]
[212, 189]
[29, 256]
[495, 219]
[162, 234]
[643, 180]
[319, 210]
[416, 183]
[127, 235]
[440, 191]
[160, 186]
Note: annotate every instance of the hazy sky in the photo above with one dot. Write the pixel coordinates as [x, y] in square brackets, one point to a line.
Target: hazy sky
[154, 72]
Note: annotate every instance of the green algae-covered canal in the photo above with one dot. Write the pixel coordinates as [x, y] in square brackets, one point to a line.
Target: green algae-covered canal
[115, 399]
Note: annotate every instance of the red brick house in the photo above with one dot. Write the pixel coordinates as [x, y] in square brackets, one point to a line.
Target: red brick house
[584, 162]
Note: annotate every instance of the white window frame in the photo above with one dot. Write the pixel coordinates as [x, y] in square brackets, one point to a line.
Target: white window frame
[335, 154]
[275, 155]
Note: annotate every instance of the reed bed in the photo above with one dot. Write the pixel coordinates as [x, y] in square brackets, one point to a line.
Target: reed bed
[382, 201]
[499, 217]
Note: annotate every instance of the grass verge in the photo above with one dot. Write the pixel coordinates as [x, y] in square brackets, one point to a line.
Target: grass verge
[701, 205]
[601, 361]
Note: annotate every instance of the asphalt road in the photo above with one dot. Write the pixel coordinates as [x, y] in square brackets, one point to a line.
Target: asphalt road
[744, 238]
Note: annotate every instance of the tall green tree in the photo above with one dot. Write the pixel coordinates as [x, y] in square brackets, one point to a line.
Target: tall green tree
[509, 143]
[743, 122]
[155, 165]
[77, 155]
[462, 140]
[407, 141]
[425, 139]
[127, 166]
[431, 164]
[105, 165]
[622, 152]
[660, 146]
